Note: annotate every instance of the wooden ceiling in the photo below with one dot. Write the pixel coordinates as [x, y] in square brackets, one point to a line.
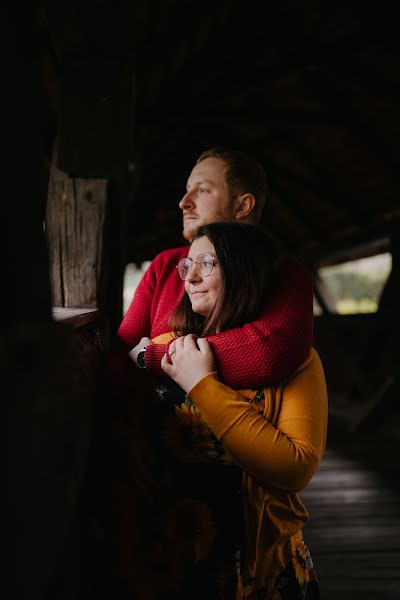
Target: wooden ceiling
[311, 88]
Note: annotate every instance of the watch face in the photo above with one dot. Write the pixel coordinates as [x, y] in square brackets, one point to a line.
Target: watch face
[140, 359]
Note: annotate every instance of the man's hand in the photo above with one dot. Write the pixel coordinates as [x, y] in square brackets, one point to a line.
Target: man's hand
[191, 358]
[144, 342]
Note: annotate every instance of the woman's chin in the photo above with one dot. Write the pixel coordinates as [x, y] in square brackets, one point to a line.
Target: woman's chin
[199, 309]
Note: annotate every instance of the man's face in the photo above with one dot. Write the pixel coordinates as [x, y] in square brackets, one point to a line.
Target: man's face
[207, 198]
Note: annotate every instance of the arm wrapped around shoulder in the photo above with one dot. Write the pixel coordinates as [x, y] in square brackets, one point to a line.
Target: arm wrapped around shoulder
[268, 350]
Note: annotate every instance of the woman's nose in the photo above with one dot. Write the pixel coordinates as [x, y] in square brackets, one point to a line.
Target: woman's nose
[193, 275]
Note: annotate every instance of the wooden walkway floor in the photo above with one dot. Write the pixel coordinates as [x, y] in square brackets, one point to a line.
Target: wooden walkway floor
[354, 528]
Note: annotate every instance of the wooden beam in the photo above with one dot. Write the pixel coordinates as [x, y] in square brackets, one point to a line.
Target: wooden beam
[75, 221]
[328, 185]
[326, 85]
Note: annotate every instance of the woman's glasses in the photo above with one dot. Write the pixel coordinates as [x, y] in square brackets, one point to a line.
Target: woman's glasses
[204, 265]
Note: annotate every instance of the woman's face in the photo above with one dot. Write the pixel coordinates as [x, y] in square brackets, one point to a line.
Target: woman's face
[203, 291]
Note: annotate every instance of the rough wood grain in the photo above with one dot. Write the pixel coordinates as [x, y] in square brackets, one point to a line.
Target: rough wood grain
[76, 216]
[77, 317]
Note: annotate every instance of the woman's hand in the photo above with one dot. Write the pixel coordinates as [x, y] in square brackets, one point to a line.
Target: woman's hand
[144, 342]
[191, 359]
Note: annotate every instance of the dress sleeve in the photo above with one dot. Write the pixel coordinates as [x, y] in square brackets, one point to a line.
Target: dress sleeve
[268, 350]
[283, 453]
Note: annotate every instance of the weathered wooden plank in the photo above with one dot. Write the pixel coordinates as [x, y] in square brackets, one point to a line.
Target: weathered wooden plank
[75, 221]
[77, 317]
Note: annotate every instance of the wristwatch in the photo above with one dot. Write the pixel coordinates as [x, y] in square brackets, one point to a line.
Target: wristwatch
[140, 359]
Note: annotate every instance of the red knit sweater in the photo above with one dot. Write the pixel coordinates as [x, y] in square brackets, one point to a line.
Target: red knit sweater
[264, 352]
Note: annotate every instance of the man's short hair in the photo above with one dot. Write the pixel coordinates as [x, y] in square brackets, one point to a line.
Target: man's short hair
[244, 175]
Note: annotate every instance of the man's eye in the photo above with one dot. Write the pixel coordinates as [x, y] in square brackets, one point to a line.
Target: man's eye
[203, 190]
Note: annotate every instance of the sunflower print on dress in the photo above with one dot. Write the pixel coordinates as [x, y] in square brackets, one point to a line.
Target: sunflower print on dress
[298, 581]
[187, 436]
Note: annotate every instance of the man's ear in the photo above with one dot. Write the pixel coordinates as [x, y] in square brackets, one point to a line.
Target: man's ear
[244, 206]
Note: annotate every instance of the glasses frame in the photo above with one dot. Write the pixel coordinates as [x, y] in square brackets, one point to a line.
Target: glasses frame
[195, 262]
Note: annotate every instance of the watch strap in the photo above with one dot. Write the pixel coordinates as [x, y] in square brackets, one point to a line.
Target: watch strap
[140, 359]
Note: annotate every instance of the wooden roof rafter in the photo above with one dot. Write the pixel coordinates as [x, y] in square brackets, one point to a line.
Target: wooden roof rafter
[307, 188]
[350, 118]
[316, 182]
[329, 188]
[195, 40]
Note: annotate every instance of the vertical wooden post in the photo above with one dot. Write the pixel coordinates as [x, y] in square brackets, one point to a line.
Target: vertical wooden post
[75, 221]
[91, 186]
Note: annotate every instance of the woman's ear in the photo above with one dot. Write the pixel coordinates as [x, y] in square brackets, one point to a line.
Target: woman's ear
[244, 206]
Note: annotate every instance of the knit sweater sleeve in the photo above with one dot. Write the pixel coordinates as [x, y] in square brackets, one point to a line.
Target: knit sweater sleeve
[284, 452]
[137, 319]
[137, 323]
[268, 350]
[148, 314]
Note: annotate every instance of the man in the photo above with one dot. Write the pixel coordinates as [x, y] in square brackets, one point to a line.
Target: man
[224, 185]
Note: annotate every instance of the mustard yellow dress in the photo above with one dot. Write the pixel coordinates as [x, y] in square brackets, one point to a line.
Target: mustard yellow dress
[231, 464]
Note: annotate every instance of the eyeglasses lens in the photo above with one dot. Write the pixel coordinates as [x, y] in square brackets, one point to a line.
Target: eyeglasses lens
[184, 268]
[204, 265]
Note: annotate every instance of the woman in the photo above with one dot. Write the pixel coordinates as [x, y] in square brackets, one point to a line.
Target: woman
[234, 460]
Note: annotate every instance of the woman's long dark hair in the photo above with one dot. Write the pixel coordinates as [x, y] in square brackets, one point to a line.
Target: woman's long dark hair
[248, 259]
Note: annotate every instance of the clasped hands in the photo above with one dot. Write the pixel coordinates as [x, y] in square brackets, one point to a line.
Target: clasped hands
[191, 358]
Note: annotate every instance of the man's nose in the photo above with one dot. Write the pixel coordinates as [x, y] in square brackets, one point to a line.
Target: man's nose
[186, 202]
